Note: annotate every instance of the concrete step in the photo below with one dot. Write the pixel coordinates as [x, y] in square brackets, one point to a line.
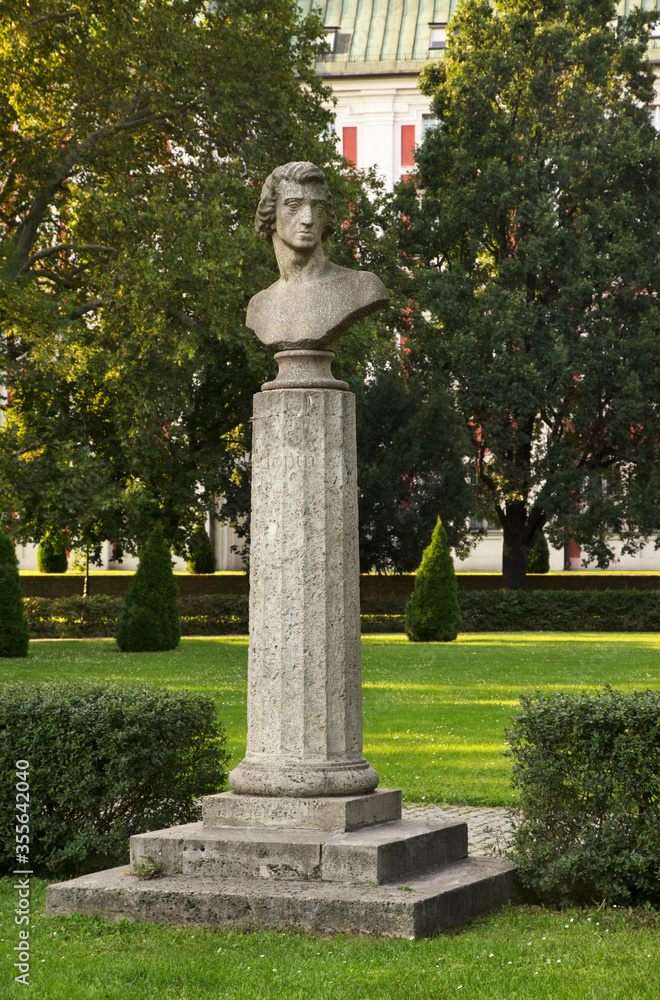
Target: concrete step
[419, 907]
[379, 853]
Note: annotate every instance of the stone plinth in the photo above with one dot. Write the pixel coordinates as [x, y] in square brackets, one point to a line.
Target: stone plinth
[336, 812]
[304, 674]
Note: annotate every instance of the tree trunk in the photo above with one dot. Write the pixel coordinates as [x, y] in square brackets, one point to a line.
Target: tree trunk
[86, 584]
[515, 549]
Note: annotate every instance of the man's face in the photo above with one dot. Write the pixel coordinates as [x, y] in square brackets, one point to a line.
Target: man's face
[300, 215]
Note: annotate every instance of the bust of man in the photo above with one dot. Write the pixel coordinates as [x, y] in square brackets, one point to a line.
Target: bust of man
[315, 301]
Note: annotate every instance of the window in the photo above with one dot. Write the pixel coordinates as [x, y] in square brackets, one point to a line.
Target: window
[331, 38]
[407, 145]
[655, 30]
[438, 36]
[428, 121]
[654, 115]
[349, 143]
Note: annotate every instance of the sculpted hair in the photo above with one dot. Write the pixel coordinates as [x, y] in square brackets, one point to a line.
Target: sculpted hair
[301, 172]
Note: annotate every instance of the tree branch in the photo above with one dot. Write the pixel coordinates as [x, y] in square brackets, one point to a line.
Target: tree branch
[86, 307]
[49, 251]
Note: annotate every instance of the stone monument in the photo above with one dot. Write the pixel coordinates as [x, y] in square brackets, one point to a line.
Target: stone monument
[304, 839]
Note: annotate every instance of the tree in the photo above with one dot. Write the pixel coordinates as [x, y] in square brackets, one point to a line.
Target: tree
[410, 447]
[532, 233]
[134, 137]
[149, 618]
[51, 554]
[201, 557]
[432, 611]
[538, 560]
[14, 628]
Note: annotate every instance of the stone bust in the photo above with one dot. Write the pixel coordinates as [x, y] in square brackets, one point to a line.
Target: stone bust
[314, 301]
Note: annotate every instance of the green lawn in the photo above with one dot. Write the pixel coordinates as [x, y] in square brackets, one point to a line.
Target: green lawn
[434, 714]
[434, 719]
[516, 954]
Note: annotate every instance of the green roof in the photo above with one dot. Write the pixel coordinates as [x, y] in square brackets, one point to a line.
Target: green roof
[393, 36]
[379, 36]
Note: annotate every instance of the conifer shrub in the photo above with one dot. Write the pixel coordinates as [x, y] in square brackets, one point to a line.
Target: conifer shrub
[539, 558]
[104, 762]
[149, 618]
[201, 557]
[432, 612]
[51, 554]
[14, 628]
[587, 769]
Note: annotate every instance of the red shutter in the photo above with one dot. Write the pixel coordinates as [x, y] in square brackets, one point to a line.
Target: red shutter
[349, 143]
[407, 145]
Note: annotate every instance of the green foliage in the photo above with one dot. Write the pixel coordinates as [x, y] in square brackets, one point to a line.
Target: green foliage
[538, 560]
[532, 288]
[73, 617]
[432, 612]
[587, 770]
[410, 444]
[134, 139]
[561, 611]
[201, 557]
[51, 554]
[14, 628]
[105, 762]
[149, 618]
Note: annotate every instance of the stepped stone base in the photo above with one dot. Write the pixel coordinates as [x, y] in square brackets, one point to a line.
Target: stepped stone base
[429, 903]
[334, 812]
[343, 864]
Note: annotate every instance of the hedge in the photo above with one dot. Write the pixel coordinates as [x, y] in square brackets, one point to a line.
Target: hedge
[102, 762]
[484, 611]
[588, 772]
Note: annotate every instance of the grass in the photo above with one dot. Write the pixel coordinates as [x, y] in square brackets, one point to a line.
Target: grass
[519, 953]
[434, 714]
[434, 717]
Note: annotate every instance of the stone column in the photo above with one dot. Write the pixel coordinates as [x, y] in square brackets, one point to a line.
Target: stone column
[304, 675]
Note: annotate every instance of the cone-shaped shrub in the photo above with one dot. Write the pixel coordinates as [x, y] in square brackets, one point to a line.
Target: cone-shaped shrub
[433, 613]
[149, 619]
[14, 628]
[51, 554]
[201, 557]
[539, 557]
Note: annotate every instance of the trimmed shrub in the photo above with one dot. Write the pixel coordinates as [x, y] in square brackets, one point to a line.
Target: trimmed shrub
[588, 772]
[73, 617]
[560, 611]
[105, 762]
[51, 553]
[432, 612]
[149, 618]
[201, 557]
[214, 614]
[14, 627]
[539, 558]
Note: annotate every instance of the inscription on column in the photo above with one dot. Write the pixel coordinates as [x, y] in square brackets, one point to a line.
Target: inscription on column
[286, 463]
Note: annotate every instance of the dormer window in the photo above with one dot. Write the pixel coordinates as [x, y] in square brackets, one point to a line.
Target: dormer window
[438, 36]
[331, 37]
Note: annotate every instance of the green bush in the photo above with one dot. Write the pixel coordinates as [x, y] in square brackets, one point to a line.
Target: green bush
[560, 611]
[73, 617]
[149, 618]
[432, 612]
[105, 762]
[51, 554]
[214, 614]
[538, 560]
[14, 627]
[201, 557]
[588, 772]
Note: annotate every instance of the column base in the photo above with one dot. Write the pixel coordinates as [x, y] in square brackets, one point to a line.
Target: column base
[294, 780]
